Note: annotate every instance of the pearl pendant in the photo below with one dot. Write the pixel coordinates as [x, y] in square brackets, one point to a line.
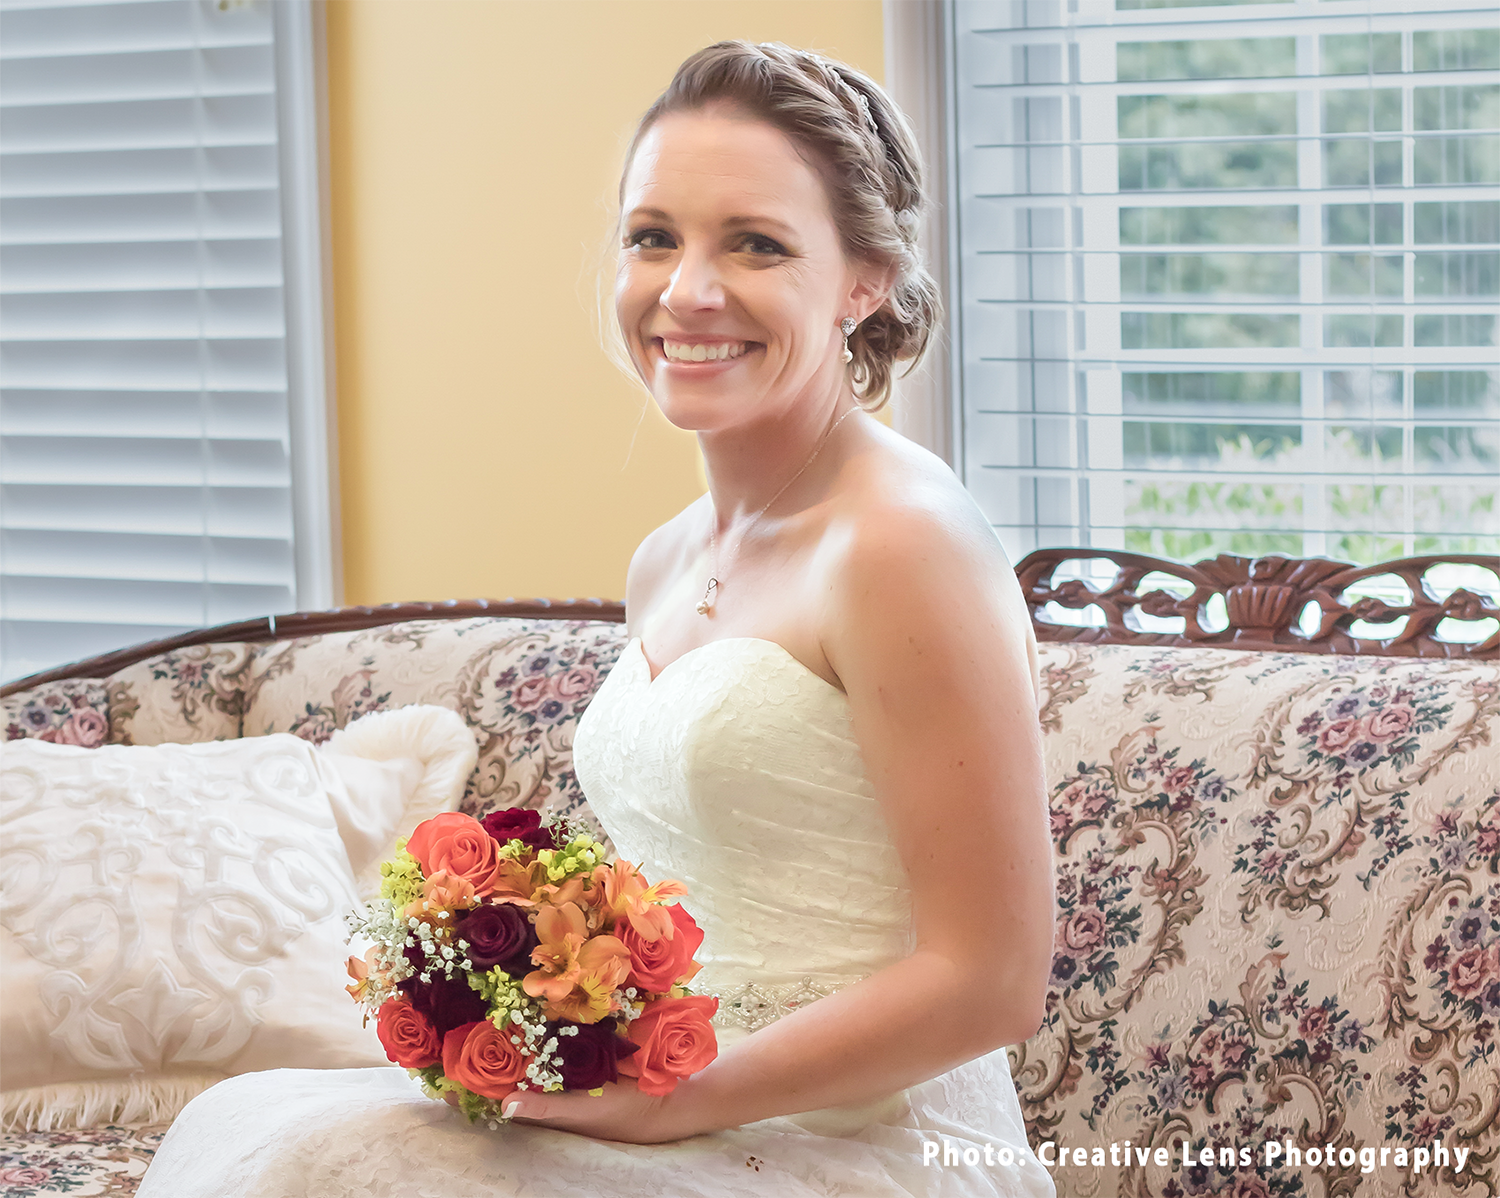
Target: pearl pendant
[704, 607]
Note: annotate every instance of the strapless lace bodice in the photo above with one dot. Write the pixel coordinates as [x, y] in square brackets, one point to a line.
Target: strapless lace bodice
[736, 771]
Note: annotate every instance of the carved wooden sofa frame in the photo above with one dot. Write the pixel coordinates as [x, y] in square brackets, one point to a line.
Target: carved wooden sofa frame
[1263, 598]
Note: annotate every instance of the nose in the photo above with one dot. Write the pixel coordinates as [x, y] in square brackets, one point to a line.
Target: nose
[695, 285]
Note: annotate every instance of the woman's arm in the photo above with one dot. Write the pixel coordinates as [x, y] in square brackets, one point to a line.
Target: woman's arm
[926, 630]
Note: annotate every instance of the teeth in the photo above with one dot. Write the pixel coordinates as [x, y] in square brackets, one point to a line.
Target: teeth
[677, 351]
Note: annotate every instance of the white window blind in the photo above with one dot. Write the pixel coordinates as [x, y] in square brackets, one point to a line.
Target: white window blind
[159, 322]
[1227, 274]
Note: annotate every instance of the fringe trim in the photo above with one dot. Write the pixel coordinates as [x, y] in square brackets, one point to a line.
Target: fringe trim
[436, 736]
[136, 1101]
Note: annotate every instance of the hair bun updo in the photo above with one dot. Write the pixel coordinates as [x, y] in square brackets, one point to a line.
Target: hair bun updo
[873, 171]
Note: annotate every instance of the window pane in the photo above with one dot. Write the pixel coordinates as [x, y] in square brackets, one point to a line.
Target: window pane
[1366, 110]
[1258, 113]
[1470, 393]
[1179, 445]
[1455, 50]
[1362, 393]
[1362, 224]
[1361, 53]
[1476, 107]
[1221, 58]
[1440, 160]
[1236, 394]
[1453, 275]
[1361, 330]
[1467, 449]
[1437, 161]
[1132, 5]
[1272, 225]
[1363, 449]
[1362, 163]
[1205, 330]
[1222, 275]
[1457, 222]
[1209, 166]
[1353, 276]
[1454, 329]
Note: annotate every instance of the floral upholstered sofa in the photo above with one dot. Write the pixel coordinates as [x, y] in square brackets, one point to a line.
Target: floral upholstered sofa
[1277, 850]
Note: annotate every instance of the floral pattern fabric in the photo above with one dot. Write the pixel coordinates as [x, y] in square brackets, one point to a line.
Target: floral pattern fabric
[521, 685]
[78, 1163]
[1279, 916]
[186, 696]
[1278, 877]
[72, 712]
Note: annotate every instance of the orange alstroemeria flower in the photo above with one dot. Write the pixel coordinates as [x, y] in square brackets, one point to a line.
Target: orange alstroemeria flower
[626, 896]
[360, 971]
[576, 975]
[518, 883]
[442, 892]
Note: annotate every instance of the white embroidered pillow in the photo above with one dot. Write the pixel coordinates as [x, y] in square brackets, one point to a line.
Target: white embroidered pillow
[171, 915]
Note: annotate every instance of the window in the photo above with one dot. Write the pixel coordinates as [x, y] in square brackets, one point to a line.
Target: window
[1227, 274]
[163, 440]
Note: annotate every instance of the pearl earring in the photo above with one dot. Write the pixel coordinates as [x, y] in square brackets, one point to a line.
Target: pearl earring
[847, 327]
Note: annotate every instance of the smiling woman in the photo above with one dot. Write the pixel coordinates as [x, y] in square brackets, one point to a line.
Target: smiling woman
[836, 747]
[776, 168]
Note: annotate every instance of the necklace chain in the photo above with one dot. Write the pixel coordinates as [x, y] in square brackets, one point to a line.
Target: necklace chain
[706, 604]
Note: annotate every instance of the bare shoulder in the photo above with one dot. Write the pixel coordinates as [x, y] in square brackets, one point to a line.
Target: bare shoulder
[656, 560]
[914, 559]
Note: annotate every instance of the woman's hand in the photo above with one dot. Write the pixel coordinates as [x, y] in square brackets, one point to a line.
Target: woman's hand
[621, 1113]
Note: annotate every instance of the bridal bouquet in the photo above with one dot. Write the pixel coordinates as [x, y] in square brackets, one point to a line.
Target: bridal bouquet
[509, 954]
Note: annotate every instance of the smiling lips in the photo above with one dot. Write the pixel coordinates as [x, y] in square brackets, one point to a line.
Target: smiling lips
[682, 351]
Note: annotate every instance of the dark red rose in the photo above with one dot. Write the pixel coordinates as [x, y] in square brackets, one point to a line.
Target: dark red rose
[447, 1002]
[589, 1057]
[516, 823]
[498, 934]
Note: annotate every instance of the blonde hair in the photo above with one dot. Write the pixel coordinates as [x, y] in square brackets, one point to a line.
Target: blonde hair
[865, 149]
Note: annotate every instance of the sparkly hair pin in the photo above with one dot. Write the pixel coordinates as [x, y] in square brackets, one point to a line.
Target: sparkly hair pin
[859, 97]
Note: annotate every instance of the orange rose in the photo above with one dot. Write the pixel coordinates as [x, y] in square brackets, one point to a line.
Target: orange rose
[656, 964]
[459, 844]
[481, 1058]
[676, 1040]
[409, 1038]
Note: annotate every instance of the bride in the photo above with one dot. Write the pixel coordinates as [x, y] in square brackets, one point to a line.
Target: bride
[824, 722]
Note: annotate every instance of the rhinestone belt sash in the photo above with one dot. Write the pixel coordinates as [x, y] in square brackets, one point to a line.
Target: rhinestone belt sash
[752, 1006]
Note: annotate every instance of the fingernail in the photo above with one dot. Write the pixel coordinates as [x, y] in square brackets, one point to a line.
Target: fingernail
[510, 1109]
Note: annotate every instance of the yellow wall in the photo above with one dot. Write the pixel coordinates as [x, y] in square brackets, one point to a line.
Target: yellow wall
[484, 438]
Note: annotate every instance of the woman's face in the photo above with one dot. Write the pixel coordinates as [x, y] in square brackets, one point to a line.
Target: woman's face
[732, 281]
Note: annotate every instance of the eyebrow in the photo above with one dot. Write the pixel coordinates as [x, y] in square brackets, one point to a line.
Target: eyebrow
[733, 222]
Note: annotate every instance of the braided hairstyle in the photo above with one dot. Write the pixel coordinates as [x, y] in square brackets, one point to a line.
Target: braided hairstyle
[867, 154]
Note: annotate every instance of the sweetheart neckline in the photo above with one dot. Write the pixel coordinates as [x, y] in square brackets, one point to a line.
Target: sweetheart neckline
[729, 640]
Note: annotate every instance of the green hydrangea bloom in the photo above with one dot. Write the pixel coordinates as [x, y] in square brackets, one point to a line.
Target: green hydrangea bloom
[401, 877]
[578, 856]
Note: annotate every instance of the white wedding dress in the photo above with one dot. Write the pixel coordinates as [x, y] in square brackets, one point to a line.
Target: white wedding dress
[735, 771]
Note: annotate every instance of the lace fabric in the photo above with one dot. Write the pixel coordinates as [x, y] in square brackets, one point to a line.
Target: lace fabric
[736, 771]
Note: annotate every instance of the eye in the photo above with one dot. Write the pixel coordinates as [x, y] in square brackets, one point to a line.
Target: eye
[649, 239]
[759, 244]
